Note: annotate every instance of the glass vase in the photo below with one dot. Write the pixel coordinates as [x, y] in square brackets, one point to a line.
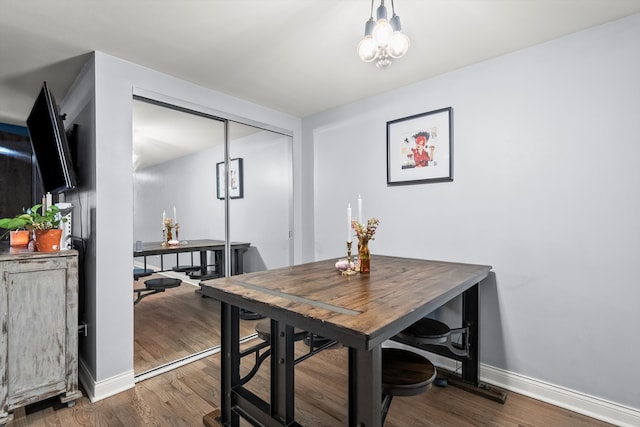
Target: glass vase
[364, 256]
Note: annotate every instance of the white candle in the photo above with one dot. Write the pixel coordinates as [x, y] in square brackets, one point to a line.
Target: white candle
[360, 218]
[164, 217]
[49, 201]
[349, 222]
[175, 216]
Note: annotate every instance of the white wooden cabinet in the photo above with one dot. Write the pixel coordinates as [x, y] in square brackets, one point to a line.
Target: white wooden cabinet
[38, 328]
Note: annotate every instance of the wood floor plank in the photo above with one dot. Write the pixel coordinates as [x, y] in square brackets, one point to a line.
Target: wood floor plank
[183, 396]
[175, 324]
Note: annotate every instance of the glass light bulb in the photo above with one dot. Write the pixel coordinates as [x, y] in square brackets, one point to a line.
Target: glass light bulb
[383, 60]
[367, 49]
[399, 45]
[382, 32]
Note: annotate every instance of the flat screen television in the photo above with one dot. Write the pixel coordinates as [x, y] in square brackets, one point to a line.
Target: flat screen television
[50, 145]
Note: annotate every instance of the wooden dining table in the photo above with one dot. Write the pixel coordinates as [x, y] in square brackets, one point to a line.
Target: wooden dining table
[361, 311]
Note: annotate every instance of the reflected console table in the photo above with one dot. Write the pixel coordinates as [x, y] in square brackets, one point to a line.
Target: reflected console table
[203, 246]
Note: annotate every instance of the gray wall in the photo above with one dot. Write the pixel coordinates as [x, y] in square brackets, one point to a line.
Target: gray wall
[110, 84]
[188, 183]
[545, 190]
[262, 217]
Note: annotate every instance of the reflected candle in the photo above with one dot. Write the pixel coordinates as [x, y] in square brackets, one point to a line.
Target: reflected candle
[349, 222]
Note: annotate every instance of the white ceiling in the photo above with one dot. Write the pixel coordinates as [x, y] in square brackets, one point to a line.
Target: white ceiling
[294, 56]
[161, 134]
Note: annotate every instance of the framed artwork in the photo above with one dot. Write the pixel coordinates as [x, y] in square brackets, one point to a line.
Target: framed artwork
[420, 148]
[235, 176]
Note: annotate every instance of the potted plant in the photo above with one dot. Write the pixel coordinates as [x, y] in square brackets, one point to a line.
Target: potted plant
[46, 227]
[17, 228]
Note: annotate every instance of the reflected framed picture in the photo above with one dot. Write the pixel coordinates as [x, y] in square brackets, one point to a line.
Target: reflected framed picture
[235, 179]
[420, 148]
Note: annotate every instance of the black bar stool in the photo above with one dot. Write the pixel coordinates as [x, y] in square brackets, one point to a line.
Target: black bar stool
[263, 329]
[155, 286]
[315, 342]
[428, 331]
[141, 272]
[404, 373]
[185, 268]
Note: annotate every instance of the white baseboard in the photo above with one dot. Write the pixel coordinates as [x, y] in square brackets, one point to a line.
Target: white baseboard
[98, 390]
[581, 403]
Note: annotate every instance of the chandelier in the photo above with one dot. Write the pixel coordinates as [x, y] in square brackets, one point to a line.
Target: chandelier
[383, 39]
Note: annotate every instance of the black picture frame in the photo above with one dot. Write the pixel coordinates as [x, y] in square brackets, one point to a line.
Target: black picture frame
[420, 148]
[236, 188]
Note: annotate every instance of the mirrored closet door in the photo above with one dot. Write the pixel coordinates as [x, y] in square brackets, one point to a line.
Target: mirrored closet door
[180, 177]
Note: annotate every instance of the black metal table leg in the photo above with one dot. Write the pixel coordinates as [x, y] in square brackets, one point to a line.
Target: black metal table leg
[365, 388]
[282, 372]
[470, 319]
[229, 362]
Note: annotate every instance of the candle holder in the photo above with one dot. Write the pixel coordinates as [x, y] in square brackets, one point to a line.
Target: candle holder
[177, 227]
[349, 271]
[164, 236]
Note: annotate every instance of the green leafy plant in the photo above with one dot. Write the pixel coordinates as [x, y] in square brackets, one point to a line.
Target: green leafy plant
[45, 220]
[33, 219]
[18, 222]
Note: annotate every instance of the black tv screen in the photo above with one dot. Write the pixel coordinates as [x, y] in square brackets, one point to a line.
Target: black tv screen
[50, 146]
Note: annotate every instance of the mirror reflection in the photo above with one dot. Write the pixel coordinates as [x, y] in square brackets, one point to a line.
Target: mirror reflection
[179, 224]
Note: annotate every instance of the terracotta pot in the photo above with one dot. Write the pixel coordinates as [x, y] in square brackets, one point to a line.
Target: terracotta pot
[19, 237]
[48, 240]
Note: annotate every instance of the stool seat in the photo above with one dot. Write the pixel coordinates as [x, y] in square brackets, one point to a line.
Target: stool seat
[250, 315]
[162, 283]
[263, 329]
[426, 331]
[405, 373]
[155, 286]
[185, 268]
[141, 272]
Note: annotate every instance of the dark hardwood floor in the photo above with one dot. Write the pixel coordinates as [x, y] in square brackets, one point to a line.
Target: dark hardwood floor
[182, 397]
[171, 325]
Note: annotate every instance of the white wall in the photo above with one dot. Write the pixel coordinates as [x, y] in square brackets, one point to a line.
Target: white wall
[109, 364]
[188, 183]
[262, 217]
[79, 107]
[545, 190]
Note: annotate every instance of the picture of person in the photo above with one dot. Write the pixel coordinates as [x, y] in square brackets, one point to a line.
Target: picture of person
[420, 155]
[234, 179]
